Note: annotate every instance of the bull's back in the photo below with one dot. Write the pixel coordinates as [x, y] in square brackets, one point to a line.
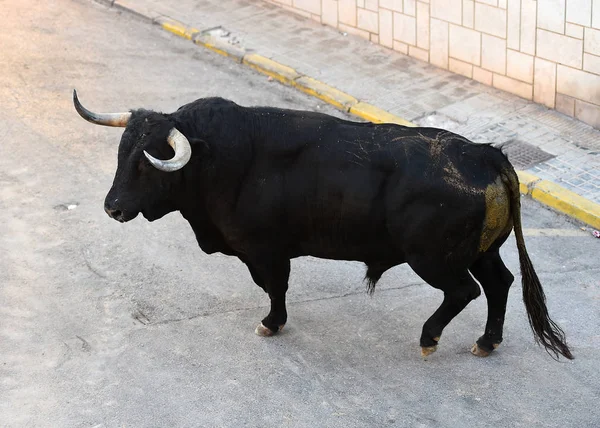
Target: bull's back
[344, 190]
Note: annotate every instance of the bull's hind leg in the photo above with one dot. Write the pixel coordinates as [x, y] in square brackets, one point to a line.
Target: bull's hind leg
[459, 289]
[495, 280]
[272, 275]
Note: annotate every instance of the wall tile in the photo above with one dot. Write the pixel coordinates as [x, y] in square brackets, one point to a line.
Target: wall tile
[528, 26]
[544, 87]
[447, 10]
[591, 63]
[565, 104]
[401, 47]
[502, 4]
[574, 30]
[482, 76]
[347, 12]
[493, 53]
[468, 13]
[312, 6]
[460, 67]
[591, 41]
[418, 53]
[465, 44]
[519, 66]
[579, 12]
[588, 113]
[405, 28]
[490, 20]
[423, 25]
[372, 5]
[330, 12]
[489, 2]
[551, 15]
[596, 14]
[560, 49]
[410, 7]
[521, 89]
[386, 34]
[438, 49]
[578, 84]
[514, 24]
[368, 20]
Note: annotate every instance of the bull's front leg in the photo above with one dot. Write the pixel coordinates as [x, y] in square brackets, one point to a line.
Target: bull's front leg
[272, 275]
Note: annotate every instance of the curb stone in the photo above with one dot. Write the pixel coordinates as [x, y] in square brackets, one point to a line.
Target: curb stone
[544, 191]
[219, 46]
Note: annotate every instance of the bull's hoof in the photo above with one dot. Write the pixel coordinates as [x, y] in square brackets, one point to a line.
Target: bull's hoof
[480, 352]
[263, 331]
[427, 350]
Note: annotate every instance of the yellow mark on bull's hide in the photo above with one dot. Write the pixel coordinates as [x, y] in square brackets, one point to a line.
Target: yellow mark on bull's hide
[497, 214]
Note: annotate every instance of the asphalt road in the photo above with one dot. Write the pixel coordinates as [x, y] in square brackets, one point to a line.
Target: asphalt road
[104, 324]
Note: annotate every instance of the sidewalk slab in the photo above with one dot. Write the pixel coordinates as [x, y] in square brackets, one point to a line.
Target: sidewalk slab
[402, 89]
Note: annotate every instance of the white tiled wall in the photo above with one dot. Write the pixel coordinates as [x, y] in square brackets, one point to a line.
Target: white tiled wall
[543, 50]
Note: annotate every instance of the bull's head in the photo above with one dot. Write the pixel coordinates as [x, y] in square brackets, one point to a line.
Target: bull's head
[140, 183]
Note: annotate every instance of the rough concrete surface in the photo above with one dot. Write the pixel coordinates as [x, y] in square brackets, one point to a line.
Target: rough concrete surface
[104, 324]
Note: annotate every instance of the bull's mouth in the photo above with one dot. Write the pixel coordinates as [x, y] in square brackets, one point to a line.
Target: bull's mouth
[124, 218]
[121, 216]
[152, 215]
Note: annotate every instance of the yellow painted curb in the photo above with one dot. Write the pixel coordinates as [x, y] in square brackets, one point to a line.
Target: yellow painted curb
[325, 92]
[527, 181]
[377, 115]
[271, 68]
[177, 28]
[567, 202]
[220, 47]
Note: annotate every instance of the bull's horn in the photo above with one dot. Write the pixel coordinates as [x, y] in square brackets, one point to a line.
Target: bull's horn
[183, 153]
[106, 119]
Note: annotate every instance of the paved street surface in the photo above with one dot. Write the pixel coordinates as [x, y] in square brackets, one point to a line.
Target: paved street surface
[105, 324]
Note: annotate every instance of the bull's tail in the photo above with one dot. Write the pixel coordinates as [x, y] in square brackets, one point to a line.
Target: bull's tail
[547, 332]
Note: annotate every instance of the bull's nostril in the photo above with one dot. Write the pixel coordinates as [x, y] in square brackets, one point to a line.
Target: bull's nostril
[116, 214]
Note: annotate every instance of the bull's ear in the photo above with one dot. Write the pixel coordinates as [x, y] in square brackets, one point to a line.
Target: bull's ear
[199, 146]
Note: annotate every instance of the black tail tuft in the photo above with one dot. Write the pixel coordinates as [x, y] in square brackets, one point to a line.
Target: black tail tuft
[372, 277]
[371, 283]
[547, 332]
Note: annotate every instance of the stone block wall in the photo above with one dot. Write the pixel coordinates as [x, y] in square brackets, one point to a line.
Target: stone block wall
[547, 51]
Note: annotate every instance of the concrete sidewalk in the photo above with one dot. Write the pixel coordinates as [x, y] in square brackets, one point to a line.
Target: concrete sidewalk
[544, 142]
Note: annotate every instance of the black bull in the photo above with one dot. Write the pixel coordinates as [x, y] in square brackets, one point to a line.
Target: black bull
[268, 185]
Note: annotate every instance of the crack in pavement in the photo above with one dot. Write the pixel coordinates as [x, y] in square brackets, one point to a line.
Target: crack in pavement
[91, 268]
[291, 303]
